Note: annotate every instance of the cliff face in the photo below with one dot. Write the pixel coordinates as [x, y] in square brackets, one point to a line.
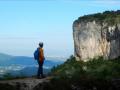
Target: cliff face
[94, 38]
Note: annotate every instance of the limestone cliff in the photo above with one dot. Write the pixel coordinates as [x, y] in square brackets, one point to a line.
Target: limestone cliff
[97, 35]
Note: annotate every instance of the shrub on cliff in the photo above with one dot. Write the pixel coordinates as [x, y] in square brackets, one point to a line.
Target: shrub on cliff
[96, 73]
[110, 17]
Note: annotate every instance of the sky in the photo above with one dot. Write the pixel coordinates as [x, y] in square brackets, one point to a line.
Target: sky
[25, 23]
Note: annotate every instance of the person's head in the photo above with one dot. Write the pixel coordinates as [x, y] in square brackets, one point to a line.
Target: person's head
[41, 44]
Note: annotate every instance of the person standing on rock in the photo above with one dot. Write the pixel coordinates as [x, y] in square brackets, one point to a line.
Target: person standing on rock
[39, 56]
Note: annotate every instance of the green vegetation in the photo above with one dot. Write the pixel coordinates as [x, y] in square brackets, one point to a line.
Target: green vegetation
[96, 74]
[110, 17]
[8, 76]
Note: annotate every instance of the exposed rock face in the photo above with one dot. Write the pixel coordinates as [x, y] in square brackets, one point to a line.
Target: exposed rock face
[24, 84]
[92, 39]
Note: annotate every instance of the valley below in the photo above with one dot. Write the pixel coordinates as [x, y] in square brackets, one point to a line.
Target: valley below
[17, 66]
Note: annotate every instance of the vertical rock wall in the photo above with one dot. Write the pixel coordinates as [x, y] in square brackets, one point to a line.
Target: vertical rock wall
[92, 39]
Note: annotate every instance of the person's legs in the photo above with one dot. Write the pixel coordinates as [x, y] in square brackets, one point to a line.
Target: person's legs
[38, 73]
[40, 70]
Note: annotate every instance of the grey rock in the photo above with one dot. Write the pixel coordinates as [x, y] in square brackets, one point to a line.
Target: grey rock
[24, 84]
[93, 39]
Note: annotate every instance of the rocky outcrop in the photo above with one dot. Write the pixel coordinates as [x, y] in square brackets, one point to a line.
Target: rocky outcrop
[93, 38]
[25, 84]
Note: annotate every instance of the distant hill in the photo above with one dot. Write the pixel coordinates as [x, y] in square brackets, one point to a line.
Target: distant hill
[24, 60]
[23, 65]
[4, 57]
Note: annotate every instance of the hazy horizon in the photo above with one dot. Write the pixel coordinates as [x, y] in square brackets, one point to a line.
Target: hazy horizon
[25, 23]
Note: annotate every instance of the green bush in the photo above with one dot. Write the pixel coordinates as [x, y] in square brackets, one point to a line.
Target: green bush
[110, 17]
[96, 73]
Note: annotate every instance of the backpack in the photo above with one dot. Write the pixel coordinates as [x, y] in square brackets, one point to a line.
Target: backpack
[36, 54]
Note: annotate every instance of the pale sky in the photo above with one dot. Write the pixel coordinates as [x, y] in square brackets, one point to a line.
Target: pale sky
[23, 23]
